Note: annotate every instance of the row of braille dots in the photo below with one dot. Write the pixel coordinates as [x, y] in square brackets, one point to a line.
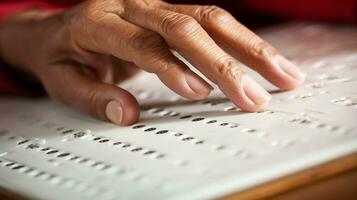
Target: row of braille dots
[181, 136]
[58, 154]
[345, 101]
[124, 145]
[219, 102]
[76, 186]
[163, 112]
[303, 120]
[210, 121]
[225, 124]
[307, 95]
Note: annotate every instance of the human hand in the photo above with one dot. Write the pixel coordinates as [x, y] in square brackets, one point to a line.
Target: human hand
[79, 54]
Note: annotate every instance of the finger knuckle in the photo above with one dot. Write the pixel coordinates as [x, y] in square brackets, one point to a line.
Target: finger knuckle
[179, 25]
[145, 40]
[212, 15]
[259, 48]
[228, 68]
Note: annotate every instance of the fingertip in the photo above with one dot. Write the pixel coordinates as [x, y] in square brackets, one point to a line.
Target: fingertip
[130, 107]
[199, 87]
[291, 75]
[256, 93]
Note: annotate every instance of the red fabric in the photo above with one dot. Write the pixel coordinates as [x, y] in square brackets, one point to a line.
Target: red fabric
[328, 10]
[331, 10]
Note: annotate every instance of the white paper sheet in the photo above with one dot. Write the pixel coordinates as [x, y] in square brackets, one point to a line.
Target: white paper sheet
[189, 150]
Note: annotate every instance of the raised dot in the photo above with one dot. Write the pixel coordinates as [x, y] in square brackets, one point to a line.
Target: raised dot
[199, 142]
[185, 116]
[104, 141]
[198, 119]
[52, 152]
[162, 132]
[137, 149]
[117, 143]
[126, 145]
[63, 155]
[149, 152]
[68, 131]
[187, 138]
[149, 129]
[22, 142]
[138, 126]
[17, 167]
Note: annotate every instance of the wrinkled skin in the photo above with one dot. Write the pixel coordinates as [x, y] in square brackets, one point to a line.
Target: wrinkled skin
[80, 53]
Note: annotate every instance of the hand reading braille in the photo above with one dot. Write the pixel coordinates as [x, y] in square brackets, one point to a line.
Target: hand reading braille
[80, 53]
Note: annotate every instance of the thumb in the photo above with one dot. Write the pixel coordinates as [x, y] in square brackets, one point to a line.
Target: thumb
[74, 86]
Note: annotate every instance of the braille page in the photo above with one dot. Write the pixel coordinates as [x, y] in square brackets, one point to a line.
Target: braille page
[184, 149]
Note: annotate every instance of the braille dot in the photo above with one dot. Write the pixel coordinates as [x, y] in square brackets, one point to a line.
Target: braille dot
[199, 142]
[79, 134]
[137, 149]
[117, 143]
[149, 129]
[52, 152]
[177, 134]
[45, 149]
[149, 152]
[162, 132]
[83, 160]
[33, 146]
[185, 116]
[68, 131]
[198, 119]
[103, 141]
[138, 126]
[18, 167]
[157, 110]
[97, 138]
[126, 145]
[160, 156]
[22, 142]
[63, 155]
[211, 121]
[9, 164]
[224, 124]
[74, 158]
[187, 138]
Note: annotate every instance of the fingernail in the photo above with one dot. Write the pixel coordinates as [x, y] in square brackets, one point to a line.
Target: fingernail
[114, 112]
[255, 92]
[289, 68]
[197, 84]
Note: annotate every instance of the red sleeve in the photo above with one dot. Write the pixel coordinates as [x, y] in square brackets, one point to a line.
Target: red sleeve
[326, 10]
[8, 83]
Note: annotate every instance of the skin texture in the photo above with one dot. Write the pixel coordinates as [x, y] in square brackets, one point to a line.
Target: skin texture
[79, 54]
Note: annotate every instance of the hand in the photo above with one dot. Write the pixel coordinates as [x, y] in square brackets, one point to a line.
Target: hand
[80, 54]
